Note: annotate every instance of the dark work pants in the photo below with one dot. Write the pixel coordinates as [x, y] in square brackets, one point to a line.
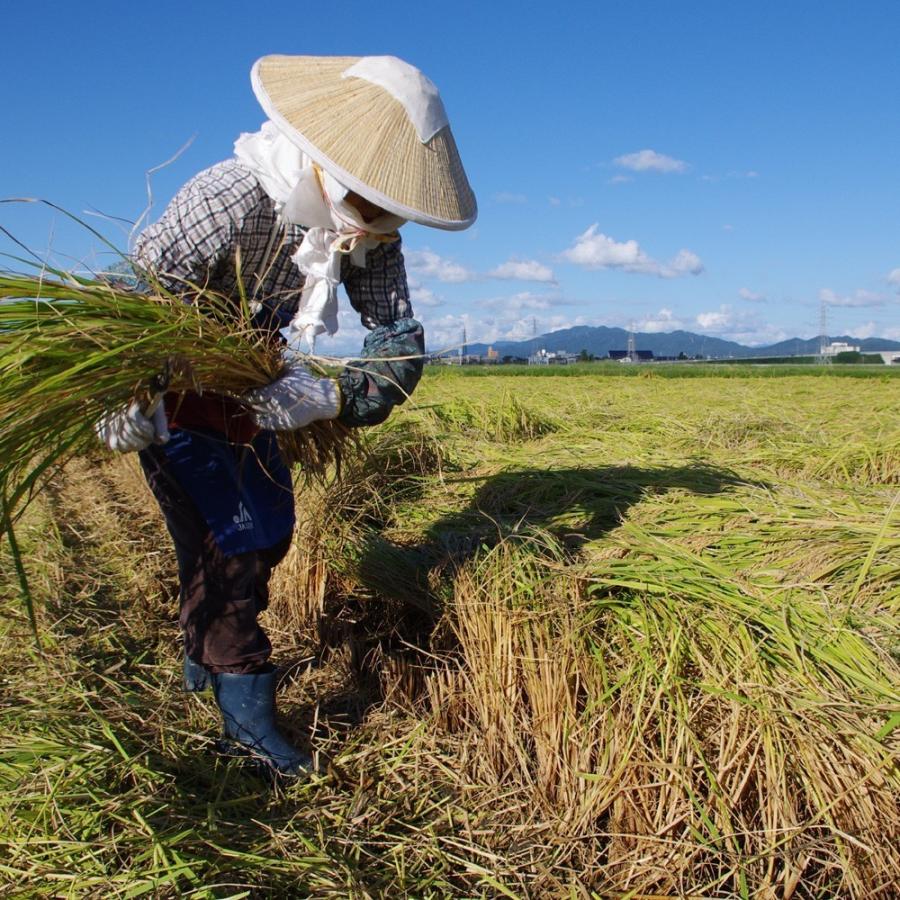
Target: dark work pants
[221, 596]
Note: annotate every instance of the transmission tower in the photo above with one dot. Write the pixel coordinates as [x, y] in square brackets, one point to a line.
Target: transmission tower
[462, 347]
[632, 347]
[824, 357]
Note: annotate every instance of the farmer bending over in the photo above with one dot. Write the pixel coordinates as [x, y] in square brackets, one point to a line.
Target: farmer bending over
[353, 147]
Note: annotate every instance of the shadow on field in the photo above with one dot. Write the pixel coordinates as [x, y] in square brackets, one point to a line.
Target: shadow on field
[403, 591]
[575, 505]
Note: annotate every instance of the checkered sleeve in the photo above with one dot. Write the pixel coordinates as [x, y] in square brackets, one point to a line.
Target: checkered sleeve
[198, 229]
[379, 291]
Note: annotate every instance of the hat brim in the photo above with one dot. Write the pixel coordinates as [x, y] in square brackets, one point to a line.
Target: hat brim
[363, 137]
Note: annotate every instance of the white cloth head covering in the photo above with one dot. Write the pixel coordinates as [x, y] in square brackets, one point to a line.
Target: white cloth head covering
[418, 94]
[305, 195]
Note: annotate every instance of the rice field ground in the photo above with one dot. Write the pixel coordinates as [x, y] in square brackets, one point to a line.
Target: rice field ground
[581, 637]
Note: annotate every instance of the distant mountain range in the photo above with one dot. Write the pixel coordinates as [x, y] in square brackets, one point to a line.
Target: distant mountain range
[599, 340]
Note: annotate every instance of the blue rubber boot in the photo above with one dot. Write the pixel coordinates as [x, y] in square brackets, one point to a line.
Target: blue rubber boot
[248, 709]
[196, 678]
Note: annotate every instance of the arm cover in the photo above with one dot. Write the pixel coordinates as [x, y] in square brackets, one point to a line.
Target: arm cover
[374, 385]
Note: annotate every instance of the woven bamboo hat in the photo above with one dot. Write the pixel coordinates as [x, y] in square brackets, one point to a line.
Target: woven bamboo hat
[377, 125]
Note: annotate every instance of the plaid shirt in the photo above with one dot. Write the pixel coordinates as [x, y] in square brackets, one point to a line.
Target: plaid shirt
[224, 209]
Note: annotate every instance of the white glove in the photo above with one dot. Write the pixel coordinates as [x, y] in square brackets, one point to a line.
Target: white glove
[129, 429]
[294, 400]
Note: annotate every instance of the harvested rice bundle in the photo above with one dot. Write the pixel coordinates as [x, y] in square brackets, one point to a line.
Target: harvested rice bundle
[74, 350]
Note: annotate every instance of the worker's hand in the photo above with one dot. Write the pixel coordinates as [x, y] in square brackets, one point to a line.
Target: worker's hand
[294, 400]
[129, 429]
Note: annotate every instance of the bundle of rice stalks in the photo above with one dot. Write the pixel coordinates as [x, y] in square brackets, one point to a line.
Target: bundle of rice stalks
[73, 350]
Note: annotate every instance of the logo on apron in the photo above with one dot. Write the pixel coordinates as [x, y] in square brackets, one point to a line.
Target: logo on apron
[243, 519]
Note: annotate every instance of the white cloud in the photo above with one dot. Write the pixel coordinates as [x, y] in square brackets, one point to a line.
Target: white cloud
[728, 228]
[857, 299]
[526, 300]
[423, 296]
[721, 320]
[554, 201]
[867, 330]
[620, 179]
[429, 264]
[751, 296]
[445, 332]
[509, 197]
[874, 329]
[894, 278]
[512, 318]
[685, 263]
[426, 264]
[523, 270]
[650, 161]
[758, 335]
[664, 320]
[349, 338]
[594, 250]
[743, 327]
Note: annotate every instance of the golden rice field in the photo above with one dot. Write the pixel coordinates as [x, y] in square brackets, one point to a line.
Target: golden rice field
[575, 637]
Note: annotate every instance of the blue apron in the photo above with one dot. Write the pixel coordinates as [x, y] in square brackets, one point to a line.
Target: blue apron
[243, 491]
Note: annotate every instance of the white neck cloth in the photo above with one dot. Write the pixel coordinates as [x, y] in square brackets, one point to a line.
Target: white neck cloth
[305, 195]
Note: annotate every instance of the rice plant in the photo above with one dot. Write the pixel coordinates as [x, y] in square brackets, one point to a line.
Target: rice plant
[653, 652]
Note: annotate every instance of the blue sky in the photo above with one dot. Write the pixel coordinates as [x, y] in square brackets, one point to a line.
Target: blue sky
[715, 166]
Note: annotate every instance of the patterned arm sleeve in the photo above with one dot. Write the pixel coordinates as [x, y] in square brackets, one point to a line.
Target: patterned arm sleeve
[195, 234]
[394, 349]
[378, 292]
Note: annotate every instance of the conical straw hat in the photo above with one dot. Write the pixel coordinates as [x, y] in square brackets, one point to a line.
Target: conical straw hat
[387, 139]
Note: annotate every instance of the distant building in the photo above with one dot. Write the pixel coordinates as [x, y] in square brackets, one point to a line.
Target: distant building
[552, 358]
[492, 353]
[836, 347]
